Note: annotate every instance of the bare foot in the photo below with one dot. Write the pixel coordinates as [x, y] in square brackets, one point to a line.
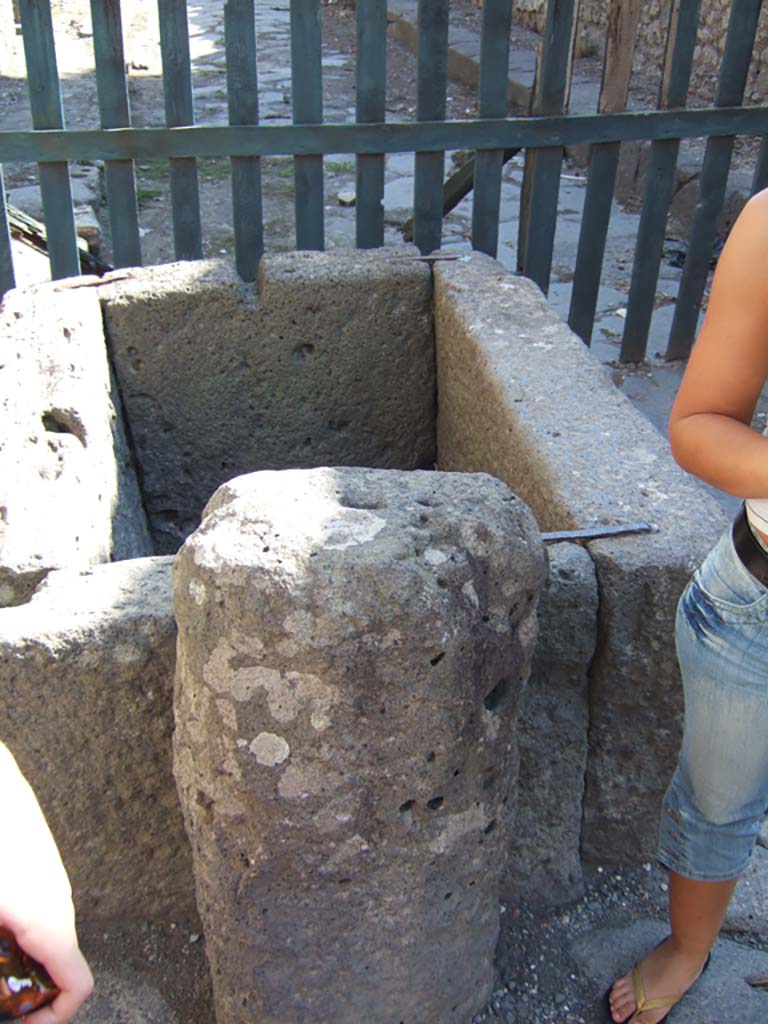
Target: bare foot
[666, 974]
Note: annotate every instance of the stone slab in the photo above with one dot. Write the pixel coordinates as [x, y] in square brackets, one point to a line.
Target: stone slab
[545, 853]
[68, 491]
[352, 648]
[328, 361]
[28, 198]
[720, 995]
[86, 679]
[523, 399]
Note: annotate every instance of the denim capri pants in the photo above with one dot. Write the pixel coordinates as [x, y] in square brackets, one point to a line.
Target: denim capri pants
[711, 812]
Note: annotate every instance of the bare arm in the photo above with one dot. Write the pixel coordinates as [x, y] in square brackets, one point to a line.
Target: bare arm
[35, 895]
[709, 425]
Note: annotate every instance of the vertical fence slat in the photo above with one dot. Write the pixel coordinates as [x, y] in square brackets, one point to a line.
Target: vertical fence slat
[7, 276]
[659, 182]
[432, 80]
[760, 179]
[45, 103]
[538, 214]
[603, 165]
[177, 87]
[115, 113]
[494, 75]
[307, 89]
[737, 53]
[371, 100]
[243, 102]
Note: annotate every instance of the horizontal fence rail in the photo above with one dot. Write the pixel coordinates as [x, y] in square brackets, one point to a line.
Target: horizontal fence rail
[392, 137]
[542, 135]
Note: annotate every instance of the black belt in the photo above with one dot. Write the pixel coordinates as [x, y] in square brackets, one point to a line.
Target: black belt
[752, 555]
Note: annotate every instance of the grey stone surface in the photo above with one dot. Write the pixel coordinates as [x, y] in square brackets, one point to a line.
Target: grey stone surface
[68, 493]
[720, 995]
[523, 399]
[545, 862]
[329, 361]
[29, 198]
[352, 648]
[748, 909]
[86, 678]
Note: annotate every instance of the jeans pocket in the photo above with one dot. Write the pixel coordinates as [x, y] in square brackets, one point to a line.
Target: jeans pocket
[728, 586]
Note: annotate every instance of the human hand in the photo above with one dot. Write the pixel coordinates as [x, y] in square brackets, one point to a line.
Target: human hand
[36, 898]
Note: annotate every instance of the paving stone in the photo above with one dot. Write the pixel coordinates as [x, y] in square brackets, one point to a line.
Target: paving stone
[721, 995]
[748, 911]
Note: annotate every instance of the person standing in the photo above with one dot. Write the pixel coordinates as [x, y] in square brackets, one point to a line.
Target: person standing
[712, 810]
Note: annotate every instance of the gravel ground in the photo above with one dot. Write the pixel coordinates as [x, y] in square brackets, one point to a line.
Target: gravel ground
[541, 980]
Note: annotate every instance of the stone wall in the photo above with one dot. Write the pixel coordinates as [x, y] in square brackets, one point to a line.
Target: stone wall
[329, 360]
[545, 854]
[68, 490]
[86, 686]
[523, 399]
[86, 665]
[652, 37]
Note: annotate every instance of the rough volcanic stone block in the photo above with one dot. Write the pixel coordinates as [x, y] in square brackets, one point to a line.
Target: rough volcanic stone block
[68, 493]
[352, 647]
[86, 681]
[329, 360]
[522, 398]
[545, 857]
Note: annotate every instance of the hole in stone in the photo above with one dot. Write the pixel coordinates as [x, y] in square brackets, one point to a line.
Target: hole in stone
[496, 697]
[486, 618]
[302, 352]
[431, 756]
[441, 582]
[490, 826]
[406, 813]
[456, 771]
[447, 895]
[205, 803]
[437, 658]
[435, 803]
[362, 503]
[64, 421]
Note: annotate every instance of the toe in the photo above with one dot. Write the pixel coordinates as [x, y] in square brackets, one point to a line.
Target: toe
[622, 999]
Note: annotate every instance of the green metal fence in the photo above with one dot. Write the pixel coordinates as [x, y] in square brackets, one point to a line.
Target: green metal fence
[543, 135]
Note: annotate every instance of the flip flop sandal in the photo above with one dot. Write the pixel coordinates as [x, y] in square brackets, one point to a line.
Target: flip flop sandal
[643, 1005]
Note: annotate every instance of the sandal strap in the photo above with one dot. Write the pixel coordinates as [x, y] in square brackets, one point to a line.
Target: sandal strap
[641, 1003]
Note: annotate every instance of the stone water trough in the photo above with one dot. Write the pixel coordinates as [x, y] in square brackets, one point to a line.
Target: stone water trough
[373, 745]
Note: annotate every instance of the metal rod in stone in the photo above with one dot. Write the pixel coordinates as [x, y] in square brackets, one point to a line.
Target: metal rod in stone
[594, 532]
[436, 258]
